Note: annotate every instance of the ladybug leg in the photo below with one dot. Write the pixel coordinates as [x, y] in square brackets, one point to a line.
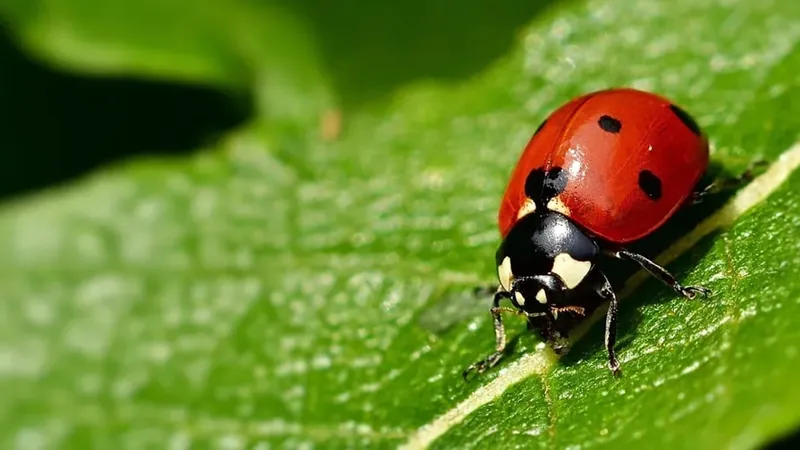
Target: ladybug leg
[549, 282]
[605, 291]
[499, 335]
[726, 184]
[662, 274]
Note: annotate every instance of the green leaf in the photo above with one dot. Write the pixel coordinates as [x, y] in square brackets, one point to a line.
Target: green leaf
[279, 290]
[234, 44]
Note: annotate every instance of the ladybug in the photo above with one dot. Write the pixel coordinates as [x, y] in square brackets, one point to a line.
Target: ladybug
[604, 170]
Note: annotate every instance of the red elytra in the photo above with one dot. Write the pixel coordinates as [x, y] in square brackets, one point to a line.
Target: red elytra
[631, 158]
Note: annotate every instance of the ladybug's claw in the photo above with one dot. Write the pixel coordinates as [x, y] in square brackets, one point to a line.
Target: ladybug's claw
[614, 366]
[691, 292]
[616, 370]
[482, 366]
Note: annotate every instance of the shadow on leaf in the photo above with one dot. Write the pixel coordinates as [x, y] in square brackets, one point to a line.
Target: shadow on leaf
[56, 126]
[372, 48]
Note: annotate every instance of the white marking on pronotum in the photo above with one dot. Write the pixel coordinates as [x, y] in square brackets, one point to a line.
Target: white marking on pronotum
[570, 270]
[541, 296]
[555, 204]
[539, 362]
[528, 207]
[504, 274]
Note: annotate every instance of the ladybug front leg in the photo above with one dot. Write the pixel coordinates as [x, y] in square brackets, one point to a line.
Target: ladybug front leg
[551, 283]
[605, 291]
[662, 274]
[499, 335]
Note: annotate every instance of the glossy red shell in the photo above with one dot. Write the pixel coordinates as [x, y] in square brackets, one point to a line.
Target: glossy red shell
[603, 192]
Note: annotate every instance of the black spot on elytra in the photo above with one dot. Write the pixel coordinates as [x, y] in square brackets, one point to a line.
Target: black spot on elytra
[686, 119]
[541, 187]
[541, 125]
[554, 183]
[610, 124]
[650, 184]
[533, 184]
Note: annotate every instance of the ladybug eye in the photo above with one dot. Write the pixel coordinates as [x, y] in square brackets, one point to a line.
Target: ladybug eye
[650, 184]
[610, 124]
[686, 119]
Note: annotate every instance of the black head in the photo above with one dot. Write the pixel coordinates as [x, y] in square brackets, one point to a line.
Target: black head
[546, 242]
